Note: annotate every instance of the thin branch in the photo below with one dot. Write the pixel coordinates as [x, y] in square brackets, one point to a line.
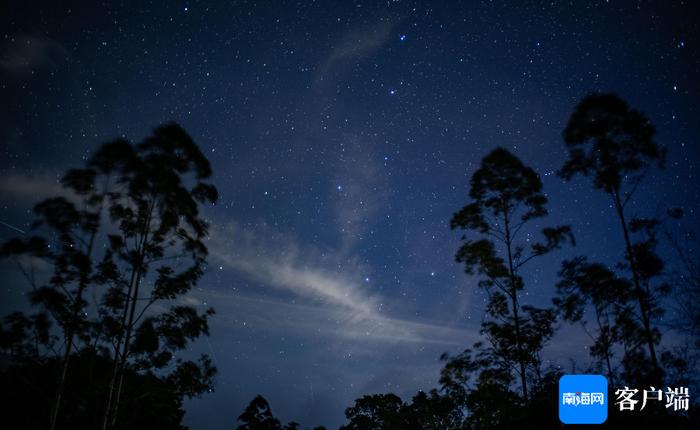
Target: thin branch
[528, 258]
[635, 184]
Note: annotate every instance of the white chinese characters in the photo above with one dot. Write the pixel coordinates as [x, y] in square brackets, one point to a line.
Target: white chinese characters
[583, 399]
[678, 398]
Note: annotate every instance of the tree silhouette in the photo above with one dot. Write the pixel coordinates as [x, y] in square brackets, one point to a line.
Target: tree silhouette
[26, 338]
[433, 411]
[481, 386]
[427, 411]
[614, 145]
[69, 253]
[28, 388]
[505, 195]
[141, 203]
[377, 411]
[258, 416]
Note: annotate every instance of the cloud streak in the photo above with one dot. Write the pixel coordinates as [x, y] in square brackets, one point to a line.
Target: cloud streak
[355, 45]
[307, 319]
[362, 192]
[326, 293]
[31, 188]
[24, 54]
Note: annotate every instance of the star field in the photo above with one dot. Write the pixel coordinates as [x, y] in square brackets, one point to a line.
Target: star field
[342, 137]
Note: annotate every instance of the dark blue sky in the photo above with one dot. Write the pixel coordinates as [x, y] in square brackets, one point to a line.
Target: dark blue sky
[342, 137]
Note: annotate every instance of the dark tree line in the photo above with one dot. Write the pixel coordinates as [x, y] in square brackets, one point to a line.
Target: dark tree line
[500, 382]
[95, 352]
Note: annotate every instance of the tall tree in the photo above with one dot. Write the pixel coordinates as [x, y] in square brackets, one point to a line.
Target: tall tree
[159, 232]
[72, 227]
[153, 252]
[615, 146]
[506, 195]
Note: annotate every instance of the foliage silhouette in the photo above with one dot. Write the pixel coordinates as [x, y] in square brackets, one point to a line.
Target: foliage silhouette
[378, 411]
[149, 401]
[429, 411]
[141, 203]
[507, 195]
[62, 296]
[258, 416]
[614, 145]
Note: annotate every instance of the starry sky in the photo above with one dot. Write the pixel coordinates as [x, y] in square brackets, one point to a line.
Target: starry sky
[342, 137]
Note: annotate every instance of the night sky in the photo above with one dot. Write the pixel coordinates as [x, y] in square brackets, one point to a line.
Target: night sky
[342, 137]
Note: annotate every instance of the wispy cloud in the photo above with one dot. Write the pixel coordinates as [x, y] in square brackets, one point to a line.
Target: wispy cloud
[361, 190]
[29, 188]
[24, 54]
[326, 290]
[355, 45]
[330, 321]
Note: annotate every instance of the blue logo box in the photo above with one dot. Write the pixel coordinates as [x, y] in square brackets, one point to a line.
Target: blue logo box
[583, 399]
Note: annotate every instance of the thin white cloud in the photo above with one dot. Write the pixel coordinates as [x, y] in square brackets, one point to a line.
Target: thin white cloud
[29, 188]
[279, 261]
[360, 190]
[355, 45]
[302, 318]
[328, 294]
[23, 54]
